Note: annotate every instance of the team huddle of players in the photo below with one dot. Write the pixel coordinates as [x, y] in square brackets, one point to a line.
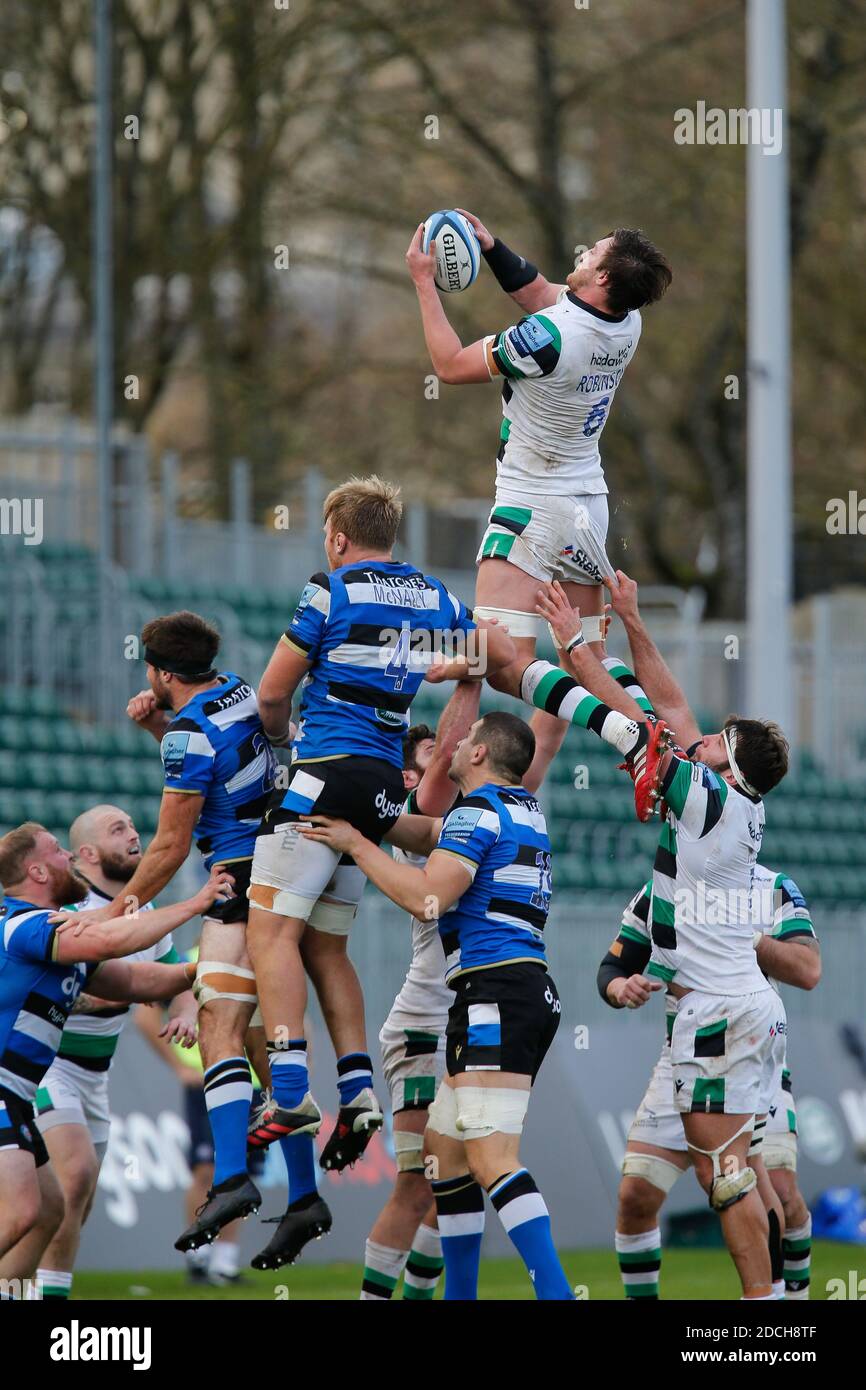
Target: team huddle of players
[290, 846]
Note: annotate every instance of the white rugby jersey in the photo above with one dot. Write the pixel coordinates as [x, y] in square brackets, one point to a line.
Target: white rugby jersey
[562, 367]
[424, 998]
[90, 1038]
[703, 880]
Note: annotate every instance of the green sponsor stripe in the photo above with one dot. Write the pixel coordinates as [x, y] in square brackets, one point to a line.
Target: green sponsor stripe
[792, 1122]
[800, 926]
[521, 515]
[638, 1257]
[505, 365]
[663, 912]
[43, 1099]
[88, 1044]
[552, 330]
[676, 794]
[668, 838]
[497, 546]
[660, 972]
[632, 934]
[712, 1029]
[375, 1276]
[419, 1035]
[670, 1019]
[505, 430]
[434, 1263]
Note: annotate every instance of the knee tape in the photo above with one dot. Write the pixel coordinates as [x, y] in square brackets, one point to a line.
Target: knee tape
[728, 1188]
[281, 901]
[486, 1110]
[442, 1115]
[409, 1151]
[657, 1171]
[215, 980]
[780, 1151]
[518, 624]
[335, 919]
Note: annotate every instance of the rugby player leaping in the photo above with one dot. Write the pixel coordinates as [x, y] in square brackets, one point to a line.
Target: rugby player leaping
[561, 368]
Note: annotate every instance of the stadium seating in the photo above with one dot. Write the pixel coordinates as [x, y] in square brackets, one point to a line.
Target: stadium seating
[53, 766]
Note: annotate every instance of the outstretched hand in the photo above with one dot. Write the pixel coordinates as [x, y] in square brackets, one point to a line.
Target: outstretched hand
[422, 266]
[623, 594]
[552, 605]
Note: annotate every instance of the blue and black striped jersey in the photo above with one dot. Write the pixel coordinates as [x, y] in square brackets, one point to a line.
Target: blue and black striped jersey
[500, 834]
[216, 747]
[36, 996]
[370, 630]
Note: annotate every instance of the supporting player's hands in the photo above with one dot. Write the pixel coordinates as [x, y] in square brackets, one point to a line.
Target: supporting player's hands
[633, 992]
[337, 834]
[182, 1030]
[422, 267]
[142, 710]
[77, 922]
[623, 595]
[485, 240]
[220, 884]
[552, 605]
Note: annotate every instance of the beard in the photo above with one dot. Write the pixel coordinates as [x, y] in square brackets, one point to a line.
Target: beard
[119, 868]
[68, 887]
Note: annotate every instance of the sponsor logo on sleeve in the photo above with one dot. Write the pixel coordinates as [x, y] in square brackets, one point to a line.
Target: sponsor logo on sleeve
[461, 824]
[173, 749]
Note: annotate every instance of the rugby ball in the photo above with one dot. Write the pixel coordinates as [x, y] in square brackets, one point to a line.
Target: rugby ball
[458, 254]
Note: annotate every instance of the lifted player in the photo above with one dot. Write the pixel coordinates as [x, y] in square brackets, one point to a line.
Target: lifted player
[561, 366]
[656, 1151]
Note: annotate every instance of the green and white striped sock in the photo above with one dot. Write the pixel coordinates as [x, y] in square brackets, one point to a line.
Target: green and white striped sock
[382, 1269]
[548, 687]
[53, 1283]
[628, 680]
[640, 1259]
[425, 1264]
[797, 1252]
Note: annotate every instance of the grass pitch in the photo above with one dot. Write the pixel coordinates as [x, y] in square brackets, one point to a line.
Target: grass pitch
[686, 1274]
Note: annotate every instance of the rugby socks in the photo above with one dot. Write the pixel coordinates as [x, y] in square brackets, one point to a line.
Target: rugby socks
[53, 1283]
[224, 1260]
[228, 1093]
[354, 1073]
[626, 678]
[299, 1151]
[460, 1213]
[290, 1082]
[548, 687]
[425, 1264]
[640, 1260]
[797, 1252]
[382, 1268]
[523, 1212]
[290, 1079]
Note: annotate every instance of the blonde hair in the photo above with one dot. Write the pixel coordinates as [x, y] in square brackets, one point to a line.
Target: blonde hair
[367, 511]
[16, 847]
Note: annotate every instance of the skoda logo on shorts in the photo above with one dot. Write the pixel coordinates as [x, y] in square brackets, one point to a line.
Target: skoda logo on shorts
[386, 807]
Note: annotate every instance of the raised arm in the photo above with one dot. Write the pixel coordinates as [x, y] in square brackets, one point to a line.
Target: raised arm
[436, 793]
[518, 277]
[423, 892]
[284, 673]
[140, 981]
[653, 674]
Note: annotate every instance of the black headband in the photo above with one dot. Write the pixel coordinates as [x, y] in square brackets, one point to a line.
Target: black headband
[177, 668]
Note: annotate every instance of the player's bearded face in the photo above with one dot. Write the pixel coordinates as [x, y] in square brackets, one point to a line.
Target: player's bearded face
[67, 886]
[160, 690]
[120, 866]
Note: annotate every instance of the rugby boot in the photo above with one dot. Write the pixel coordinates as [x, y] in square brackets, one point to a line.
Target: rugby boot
[236, 1197]
[643, 765]
[355, 1127]
[307, 1219]
[272, 1121]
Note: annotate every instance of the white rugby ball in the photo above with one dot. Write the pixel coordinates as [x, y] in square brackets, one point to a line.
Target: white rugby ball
[458, 254]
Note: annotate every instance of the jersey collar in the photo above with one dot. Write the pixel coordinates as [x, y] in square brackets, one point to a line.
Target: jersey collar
[596, 313]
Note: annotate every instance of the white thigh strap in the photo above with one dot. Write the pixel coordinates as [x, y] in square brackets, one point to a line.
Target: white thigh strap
[518, 624]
